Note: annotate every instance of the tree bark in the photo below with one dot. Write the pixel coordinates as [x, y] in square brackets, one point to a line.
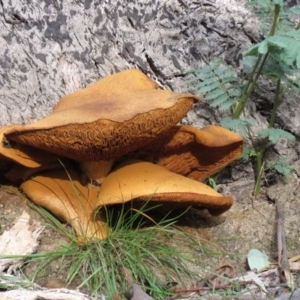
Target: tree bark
[52, 48]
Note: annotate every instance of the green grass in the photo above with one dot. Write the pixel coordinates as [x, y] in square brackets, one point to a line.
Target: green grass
[151, 249]
[153, 253]
[138, 250]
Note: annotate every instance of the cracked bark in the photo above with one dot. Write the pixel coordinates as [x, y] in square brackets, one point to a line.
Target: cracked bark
[50, 50]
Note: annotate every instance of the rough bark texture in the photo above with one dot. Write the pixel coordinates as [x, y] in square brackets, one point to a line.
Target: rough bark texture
[51, 48]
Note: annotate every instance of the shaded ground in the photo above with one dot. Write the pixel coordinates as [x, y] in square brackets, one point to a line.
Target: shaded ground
[250, 223]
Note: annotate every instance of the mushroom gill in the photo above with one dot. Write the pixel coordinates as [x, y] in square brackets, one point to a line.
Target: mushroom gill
[110, 118]
[192, 152]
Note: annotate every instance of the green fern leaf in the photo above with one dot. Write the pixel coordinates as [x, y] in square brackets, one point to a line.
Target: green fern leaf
[248, 63]
[219, 84]
[206, 82]
[263, 47]
[215, 93]
[239, 125]
[248, 153]
[274, 134]
[283, 167]
[226, 104]
[224, 73]
[228, 82]
[275, 69]
[219, 100]
[235, 91]
[284, 46]
[208, 88]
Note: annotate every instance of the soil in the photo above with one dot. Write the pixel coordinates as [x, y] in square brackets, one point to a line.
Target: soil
[12, 204]
[250, 223]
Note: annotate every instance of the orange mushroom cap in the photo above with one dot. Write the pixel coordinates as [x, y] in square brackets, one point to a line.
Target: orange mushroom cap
[110, 118]
[24, 155]
[61, 192]
[18, 173]
[144, 181]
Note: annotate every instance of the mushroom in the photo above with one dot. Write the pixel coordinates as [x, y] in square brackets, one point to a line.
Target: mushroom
[142, 181]
[61, 192]
[18, 173]
[110, 118]
[121, 115]
[18, 162]
[185, 150]
[192, 152]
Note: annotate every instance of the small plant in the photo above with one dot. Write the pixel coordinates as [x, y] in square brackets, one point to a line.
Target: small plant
[212, 182]
[277, 58]
[148, 253]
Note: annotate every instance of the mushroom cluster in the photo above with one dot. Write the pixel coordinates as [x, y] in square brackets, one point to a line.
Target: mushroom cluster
[118, 140]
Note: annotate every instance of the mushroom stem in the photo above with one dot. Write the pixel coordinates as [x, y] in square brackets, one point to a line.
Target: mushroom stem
[96, 171]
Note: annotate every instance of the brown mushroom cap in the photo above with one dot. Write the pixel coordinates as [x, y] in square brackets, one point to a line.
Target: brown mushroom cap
[144, 181]
[192, 152]
[114, 116]
[62, 194]
[24, 155]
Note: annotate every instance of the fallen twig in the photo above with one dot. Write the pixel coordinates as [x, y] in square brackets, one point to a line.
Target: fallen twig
[283, 263]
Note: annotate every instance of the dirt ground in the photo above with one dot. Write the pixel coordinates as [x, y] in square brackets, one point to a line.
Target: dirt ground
[250, 223]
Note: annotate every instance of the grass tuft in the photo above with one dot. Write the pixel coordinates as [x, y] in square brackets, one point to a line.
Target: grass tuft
[139, 250]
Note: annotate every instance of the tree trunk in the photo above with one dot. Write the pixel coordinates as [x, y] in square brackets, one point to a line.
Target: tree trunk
[52, 48]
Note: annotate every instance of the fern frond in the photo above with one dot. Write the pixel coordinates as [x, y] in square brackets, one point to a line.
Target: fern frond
[209, 88]
[215, 94]
[282, 166]
[225, 105]
[284, 46]
[264, 11]
[274, 134]
[218, 83]
[215, 63]
[208, 81]
[276, 69]
[249, 62]
[235, 91]
[239, 125]
[248, 153]
[219, 100]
